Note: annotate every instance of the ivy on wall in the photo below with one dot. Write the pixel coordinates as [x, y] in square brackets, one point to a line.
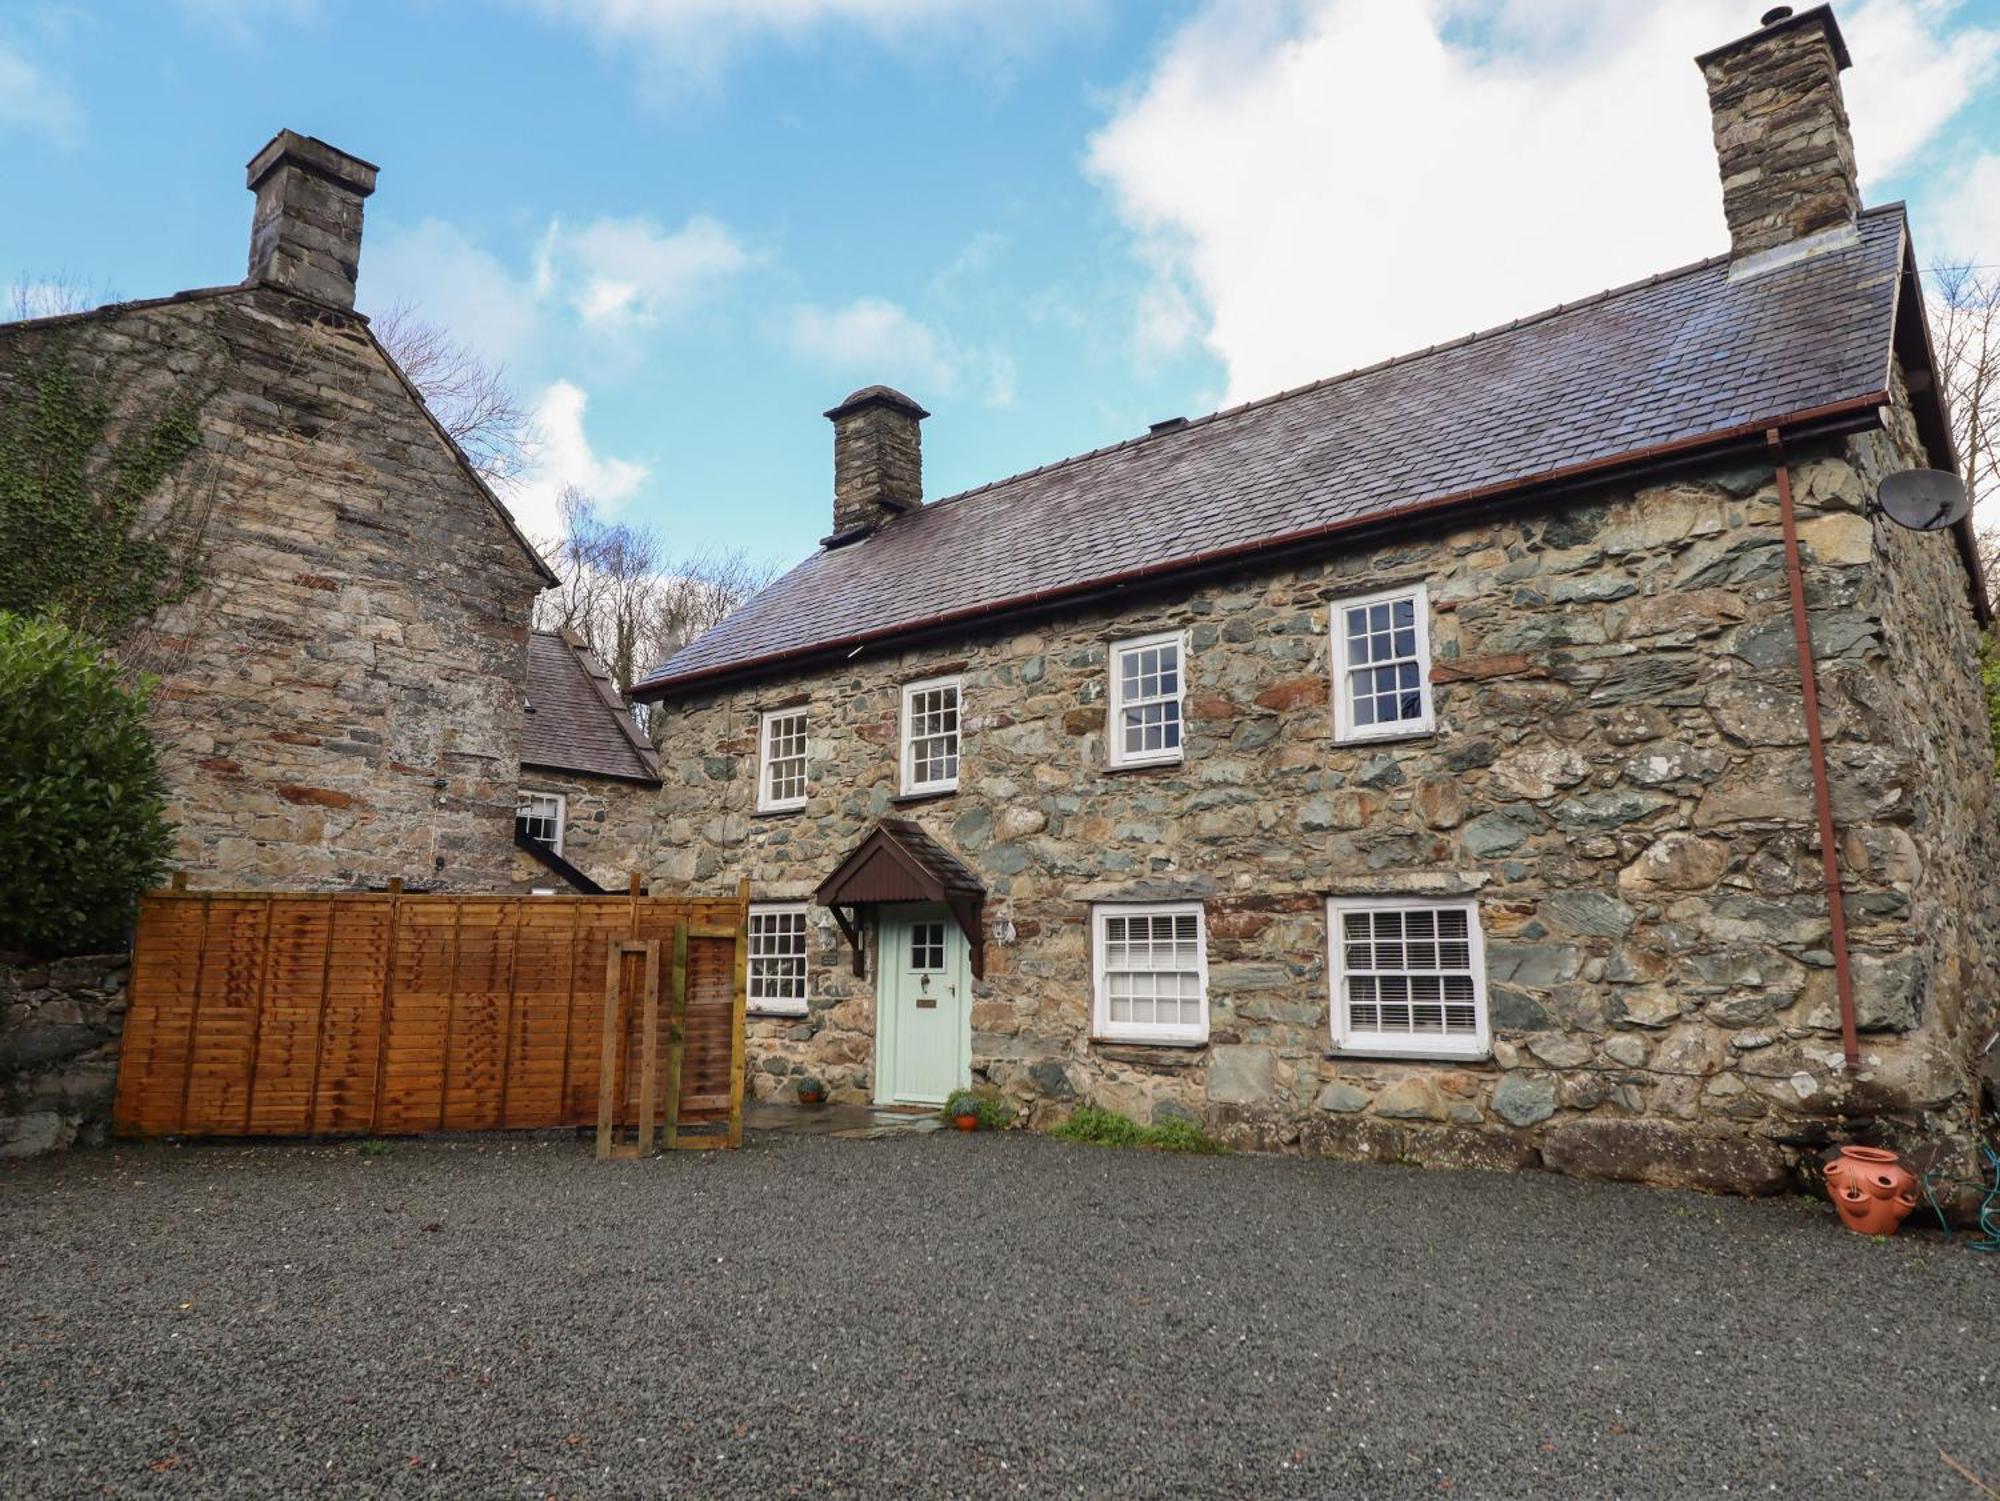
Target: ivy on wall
[77, 471]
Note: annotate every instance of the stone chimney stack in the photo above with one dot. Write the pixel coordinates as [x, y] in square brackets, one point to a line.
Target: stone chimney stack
[878, 458]
[306, 234]
[1781, 131]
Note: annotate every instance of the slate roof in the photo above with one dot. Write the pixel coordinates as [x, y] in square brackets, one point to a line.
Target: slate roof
[1684, 359]
[576, 719]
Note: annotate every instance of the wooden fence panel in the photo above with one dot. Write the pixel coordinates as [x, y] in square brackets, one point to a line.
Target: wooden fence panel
[545, 973]
[350, 1039]
[287, 1037]
[396, 1013]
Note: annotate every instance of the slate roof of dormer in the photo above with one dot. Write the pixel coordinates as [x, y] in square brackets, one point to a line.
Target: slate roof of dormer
[576, 720]
[1681, 363]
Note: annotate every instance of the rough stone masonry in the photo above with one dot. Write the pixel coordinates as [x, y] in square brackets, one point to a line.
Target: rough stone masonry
[1618, 778]
[340, 699]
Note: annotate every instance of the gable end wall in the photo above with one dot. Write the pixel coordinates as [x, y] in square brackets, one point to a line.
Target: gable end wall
[340, 700]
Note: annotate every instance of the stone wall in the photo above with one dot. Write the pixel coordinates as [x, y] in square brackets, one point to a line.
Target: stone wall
[609, 825]
[1618, 775]
[1942, 835]
[340, 701]
[60, 1026]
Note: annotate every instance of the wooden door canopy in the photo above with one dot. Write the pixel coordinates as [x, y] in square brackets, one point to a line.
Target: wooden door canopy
[899, 862]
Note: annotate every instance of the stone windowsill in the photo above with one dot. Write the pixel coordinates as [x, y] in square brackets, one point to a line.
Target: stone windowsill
[1158, 1055]
[1400, 737]
[1390, 1055]
[909, 799]
[792, 812]
[1140, 768]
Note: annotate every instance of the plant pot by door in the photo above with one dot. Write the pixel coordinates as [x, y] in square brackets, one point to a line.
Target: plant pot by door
[1871, 1189]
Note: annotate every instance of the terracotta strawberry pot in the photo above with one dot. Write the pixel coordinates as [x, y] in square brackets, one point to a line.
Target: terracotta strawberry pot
[1871, 1189]
[966, 1122]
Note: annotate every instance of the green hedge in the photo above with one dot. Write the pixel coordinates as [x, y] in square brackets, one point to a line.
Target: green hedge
[82, 830]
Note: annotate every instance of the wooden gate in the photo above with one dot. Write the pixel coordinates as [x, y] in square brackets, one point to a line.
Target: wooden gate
[273, 1014]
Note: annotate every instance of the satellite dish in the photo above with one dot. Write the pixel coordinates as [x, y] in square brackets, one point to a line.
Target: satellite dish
[1924, 500]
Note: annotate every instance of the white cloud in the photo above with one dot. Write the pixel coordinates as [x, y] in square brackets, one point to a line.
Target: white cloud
[244, 21]
[683, 39]
[878, 340]
[1328, 182]
[1967, 219]
[561, 456]
[612, 275]
[1914, 68]
[452, 282]
[33, 101]
[630, 272]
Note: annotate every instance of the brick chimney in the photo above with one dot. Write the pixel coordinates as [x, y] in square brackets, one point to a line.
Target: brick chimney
[1781, 131]
[306, 234]
[878, 458]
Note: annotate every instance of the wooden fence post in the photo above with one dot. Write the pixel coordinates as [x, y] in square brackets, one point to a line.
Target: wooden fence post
[739, 1007]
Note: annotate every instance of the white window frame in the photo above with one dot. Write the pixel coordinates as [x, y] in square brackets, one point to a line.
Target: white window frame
[1101, 1026]
[906, 743]
[528, 795]
[1115, 722]
[1344, 729]
[779, 1005]
[766, 803]
[1396, 1044]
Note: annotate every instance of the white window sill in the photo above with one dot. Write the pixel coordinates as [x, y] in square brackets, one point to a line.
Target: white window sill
[752, 1011]
[1149, 1040]
[925, 794]
[1419, 1052]
[1386, 736]
[778, 810]
[1151, 764]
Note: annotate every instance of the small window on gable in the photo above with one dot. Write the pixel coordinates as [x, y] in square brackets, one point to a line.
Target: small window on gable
[1148, 687]
[539, 815]
[1151, 973]
[1382, 665]
[781, 761]
[777, 964]
[1409, 979]
[930, 736]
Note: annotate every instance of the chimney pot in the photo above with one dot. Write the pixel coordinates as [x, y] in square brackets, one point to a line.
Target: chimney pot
[1781, 133]
[878, 458]
[306, 232]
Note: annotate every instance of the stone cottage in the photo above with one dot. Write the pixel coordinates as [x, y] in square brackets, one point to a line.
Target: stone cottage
[589, 776]
[1538, 749]
[341, 695]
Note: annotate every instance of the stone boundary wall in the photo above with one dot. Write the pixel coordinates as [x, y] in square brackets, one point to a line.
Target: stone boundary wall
[61, 1022]
[1618, 776]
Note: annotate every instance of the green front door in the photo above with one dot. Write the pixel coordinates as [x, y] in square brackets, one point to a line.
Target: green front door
[923, 1007]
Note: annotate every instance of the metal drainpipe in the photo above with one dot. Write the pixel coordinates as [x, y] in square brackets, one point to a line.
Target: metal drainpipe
[1843, 969]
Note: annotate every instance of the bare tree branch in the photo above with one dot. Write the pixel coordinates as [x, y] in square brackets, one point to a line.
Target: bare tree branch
[49, 296]
[1965, 321]
[470, 398]
[626, 598]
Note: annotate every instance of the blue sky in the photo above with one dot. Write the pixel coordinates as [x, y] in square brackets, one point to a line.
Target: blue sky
[688, 227]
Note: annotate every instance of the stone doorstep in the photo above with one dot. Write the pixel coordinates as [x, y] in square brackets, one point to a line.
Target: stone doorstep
[849, 1122]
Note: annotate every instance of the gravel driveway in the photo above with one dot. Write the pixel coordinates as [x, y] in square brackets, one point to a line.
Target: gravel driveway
[950, 1315]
